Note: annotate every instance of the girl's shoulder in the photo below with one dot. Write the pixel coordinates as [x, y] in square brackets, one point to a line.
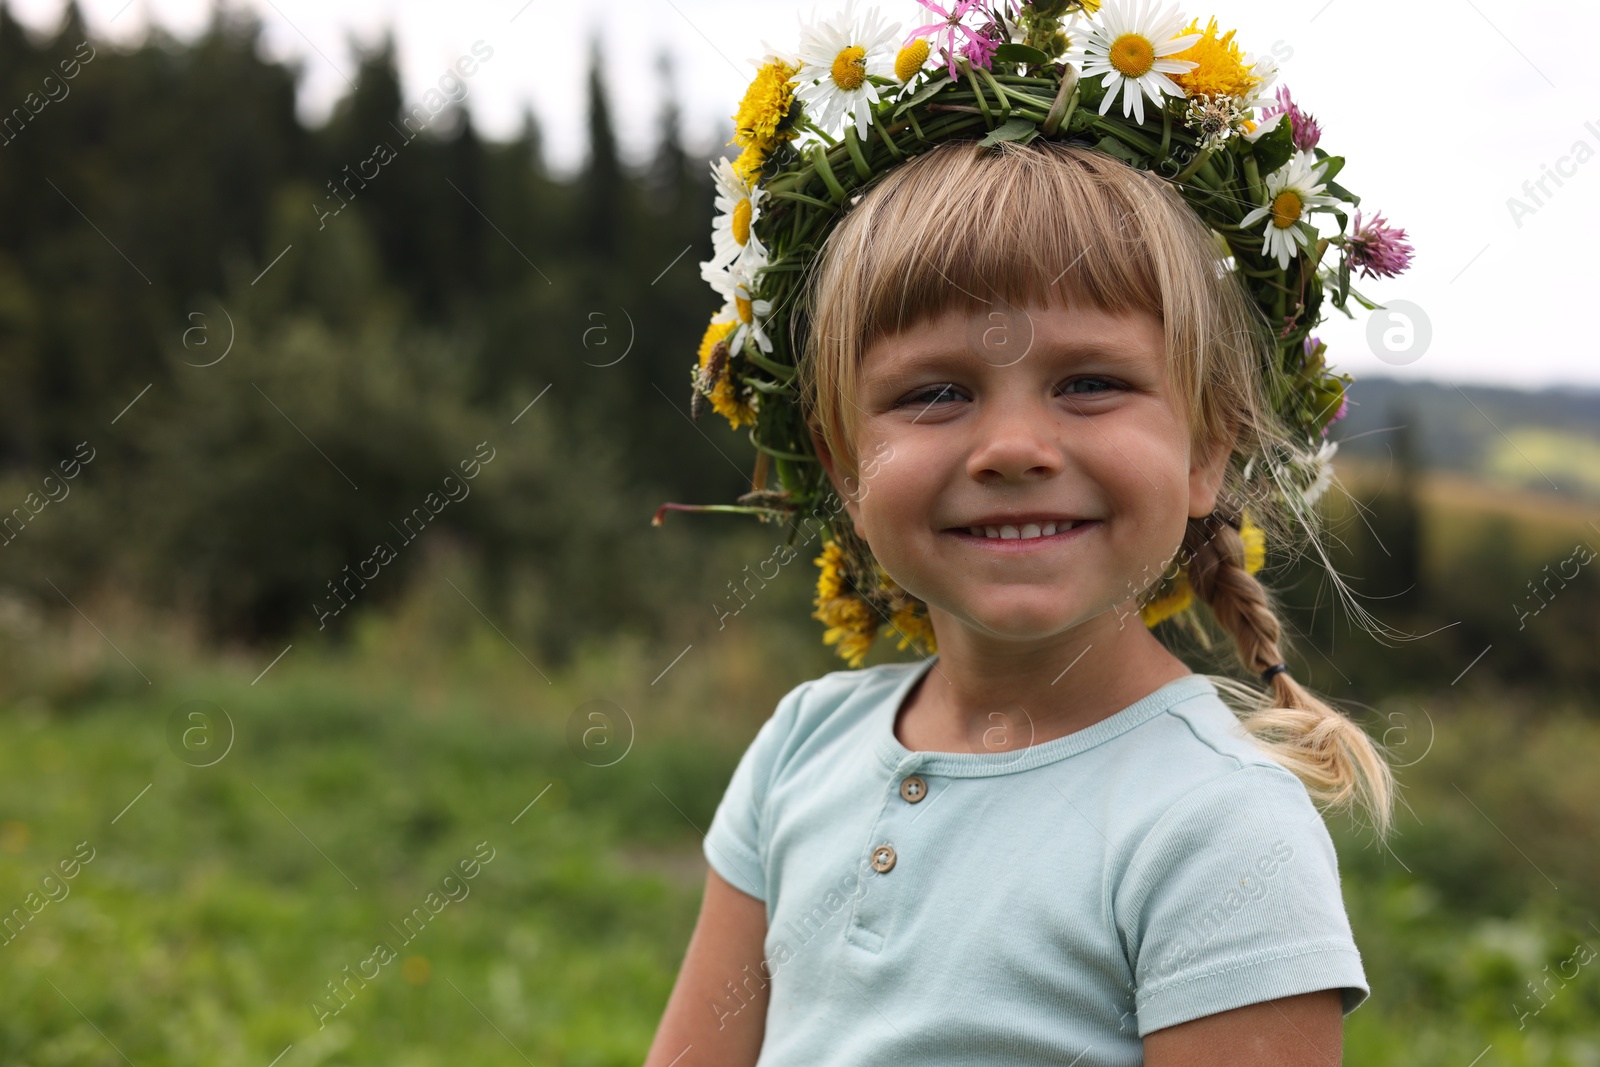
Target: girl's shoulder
[840, 696]
[1193, 765]
[1199, 737]
[831, 703]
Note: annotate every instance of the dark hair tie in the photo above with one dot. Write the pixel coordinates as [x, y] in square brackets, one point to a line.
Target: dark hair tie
[1276, 668]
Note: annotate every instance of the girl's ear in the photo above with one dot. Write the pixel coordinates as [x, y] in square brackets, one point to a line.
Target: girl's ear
[830, 465]
[1206, 472]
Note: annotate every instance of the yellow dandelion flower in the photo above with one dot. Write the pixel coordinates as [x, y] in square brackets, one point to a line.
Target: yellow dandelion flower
[851, 624]
[716, 331]
[727, 402]
[830, 583]
[726, 399]
[765, 107]
[1178, 600]
[749, 163]
[854, 644]
[1255, 544]
[1221, 69]
[913, 628]
[1182, 595]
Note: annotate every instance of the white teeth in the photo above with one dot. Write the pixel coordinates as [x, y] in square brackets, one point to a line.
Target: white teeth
[1026, 532]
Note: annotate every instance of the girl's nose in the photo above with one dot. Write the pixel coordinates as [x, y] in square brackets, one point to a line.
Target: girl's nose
[1013, 442]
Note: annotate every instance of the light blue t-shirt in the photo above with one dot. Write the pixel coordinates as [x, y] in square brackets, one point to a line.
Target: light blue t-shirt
[1045, 905]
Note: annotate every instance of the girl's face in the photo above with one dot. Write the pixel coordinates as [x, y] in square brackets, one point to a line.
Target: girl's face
[1010, 421]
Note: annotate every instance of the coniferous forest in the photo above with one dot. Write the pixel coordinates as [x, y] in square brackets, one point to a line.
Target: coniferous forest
[430, 285]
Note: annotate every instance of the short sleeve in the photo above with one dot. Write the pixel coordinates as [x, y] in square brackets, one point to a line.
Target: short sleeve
[1233, 898]
[735, 844]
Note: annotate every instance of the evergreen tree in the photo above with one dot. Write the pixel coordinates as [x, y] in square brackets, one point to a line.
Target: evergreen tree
[603, 202]
[15, 49]
[669, 169]
[529, 144]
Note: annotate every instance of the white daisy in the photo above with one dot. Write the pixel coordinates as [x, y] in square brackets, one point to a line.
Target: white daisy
[733, 235]
[838, 58]
[1263, 128]
[773, 55]
[1127, 44]
[1294, 190]
[736, 283]
[1322, 463]
[1265, 68]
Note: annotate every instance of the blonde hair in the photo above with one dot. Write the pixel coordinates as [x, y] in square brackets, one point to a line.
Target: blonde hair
[964, 226]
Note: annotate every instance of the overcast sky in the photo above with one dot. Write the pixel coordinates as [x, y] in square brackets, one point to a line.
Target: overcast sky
[1444, 108]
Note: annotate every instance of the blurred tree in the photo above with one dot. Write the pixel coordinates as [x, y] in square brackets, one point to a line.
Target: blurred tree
[603, 204]
[529, 144]
[73, 27]
[669, 169]
[1403, 518]
[16, 51]
[1390, 558]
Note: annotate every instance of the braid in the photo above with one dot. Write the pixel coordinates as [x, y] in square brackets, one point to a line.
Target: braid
[1339, 764]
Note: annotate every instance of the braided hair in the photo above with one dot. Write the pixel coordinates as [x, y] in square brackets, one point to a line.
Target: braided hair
[1335, 758]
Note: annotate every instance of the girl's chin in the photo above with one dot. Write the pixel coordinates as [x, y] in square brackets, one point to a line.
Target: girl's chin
[1021, 621]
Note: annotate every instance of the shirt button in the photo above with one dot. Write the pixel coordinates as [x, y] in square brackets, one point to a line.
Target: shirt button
[913, 789]
[883, 858]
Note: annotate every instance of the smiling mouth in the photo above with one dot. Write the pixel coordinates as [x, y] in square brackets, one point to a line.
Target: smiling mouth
[1031, 531]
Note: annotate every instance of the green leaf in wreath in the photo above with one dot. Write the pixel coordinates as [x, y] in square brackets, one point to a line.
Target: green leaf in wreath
[924, 94]
[1021, 53]
[1344, 194]
[1091, 91]
[1275, 147]
[1113, 147]
[1016, 129]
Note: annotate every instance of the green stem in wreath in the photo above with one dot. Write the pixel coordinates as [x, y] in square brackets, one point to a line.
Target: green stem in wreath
[1065, 102]
[1195, 164]
[734, 509]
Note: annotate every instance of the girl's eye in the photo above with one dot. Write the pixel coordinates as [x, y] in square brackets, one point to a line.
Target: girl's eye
[1105, 382]
[929, 395]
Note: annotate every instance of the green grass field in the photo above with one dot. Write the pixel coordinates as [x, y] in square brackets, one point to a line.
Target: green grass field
[222, 901]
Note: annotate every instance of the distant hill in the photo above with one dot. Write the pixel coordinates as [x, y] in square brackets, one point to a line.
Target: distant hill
[1546, 440]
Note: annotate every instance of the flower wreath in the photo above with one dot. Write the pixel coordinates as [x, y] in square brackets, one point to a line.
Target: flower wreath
[855, 101]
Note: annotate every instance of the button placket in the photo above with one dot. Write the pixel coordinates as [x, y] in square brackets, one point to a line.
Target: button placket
[885, 881]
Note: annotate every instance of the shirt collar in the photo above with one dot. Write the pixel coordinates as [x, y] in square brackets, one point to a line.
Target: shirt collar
[901, 760]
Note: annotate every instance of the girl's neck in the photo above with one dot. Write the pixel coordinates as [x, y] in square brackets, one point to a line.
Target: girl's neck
[988, 696]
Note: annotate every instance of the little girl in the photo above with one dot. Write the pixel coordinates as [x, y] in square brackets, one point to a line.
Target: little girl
[1049, 842]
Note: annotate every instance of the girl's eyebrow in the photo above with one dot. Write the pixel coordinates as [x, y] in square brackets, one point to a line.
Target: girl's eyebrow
[942, 354]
